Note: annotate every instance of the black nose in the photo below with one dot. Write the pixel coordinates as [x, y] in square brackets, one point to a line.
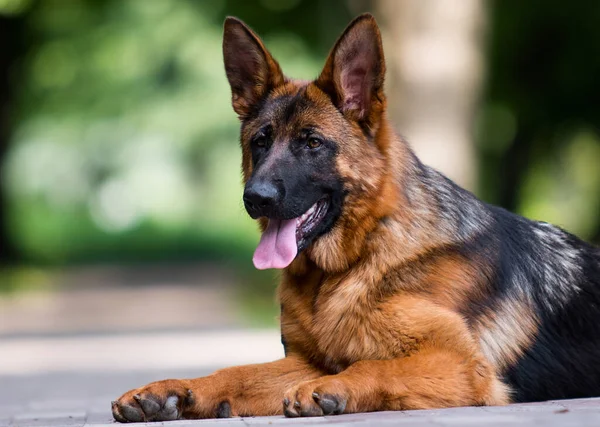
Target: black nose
[260, 198]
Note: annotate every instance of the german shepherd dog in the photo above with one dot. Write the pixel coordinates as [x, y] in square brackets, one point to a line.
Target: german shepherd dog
[400, 290]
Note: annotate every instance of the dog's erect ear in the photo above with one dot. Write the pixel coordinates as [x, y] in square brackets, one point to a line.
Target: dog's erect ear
[251, 70]
[354, 72]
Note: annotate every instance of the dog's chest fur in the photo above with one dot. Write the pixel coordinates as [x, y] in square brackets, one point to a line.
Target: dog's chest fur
[338, 320]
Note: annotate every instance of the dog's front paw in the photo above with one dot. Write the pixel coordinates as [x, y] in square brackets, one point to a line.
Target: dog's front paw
[315, 398]
[158, 401]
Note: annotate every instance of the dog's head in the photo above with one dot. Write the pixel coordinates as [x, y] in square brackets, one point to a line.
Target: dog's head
[313, 155]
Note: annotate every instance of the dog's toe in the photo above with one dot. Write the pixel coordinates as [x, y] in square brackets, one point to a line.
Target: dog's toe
[170, 410]
[159, 401]
[330, 403]
[149, 405]
[126, 413]
[146, 408]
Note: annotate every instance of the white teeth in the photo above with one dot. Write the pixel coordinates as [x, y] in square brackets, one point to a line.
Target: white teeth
[307, 214]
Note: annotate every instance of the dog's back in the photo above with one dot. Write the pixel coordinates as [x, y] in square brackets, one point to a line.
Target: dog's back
[537, 312]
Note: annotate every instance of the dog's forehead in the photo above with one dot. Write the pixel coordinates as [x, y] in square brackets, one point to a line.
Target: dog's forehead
[288, 106]
[294, 105]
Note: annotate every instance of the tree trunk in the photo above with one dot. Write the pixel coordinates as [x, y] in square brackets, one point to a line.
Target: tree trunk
[434, 53]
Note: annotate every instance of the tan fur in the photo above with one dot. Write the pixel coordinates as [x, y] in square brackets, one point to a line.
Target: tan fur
[372, 311]
[249, 390]
[507, 332]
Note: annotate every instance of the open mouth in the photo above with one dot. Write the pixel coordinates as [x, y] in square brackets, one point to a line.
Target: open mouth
[284, 238]
[308, 222]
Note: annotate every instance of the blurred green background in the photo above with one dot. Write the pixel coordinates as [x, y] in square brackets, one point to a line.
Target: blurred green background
[118, 143]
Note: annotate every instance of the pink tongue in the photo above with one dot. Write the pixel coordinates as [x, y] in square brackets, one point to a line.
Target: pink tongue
[277, 247]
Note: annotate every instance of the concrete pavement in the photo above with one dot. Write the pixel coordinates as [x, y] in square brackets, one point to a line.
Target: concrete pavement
[74, 398]
[62, 409]
[64, 355]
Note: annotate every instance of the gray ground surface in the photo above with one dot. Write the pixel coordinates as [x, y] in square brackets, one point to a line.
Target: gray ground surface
[65, 355]
[77, 399]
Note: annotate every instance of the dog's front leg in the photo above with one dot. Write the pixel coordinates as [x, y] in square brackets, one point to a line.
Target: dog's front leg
[237, 391]
[430, 378]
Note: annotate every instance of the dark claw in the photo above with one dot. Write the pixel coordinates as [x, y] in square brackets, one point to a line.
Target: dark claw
[290, 413]
[316, 396]
[297, 404]
[286, 401]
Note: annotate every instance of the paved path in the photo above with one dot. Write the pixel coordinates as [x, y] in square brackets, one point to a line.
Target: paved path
[134, 352]
[64, 356]
[94, 412]
[113, 300]
[69, 381]
[78, 399]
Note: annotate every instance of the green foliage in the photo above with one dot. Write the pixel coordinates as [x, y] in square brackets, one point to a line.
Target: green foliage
[126, 146]
[539, 129]
[563, 188]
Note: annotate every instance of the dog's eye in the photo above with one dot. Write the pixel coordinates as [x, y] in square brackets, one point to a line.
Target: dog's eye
[314, 143]
[261, 141]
